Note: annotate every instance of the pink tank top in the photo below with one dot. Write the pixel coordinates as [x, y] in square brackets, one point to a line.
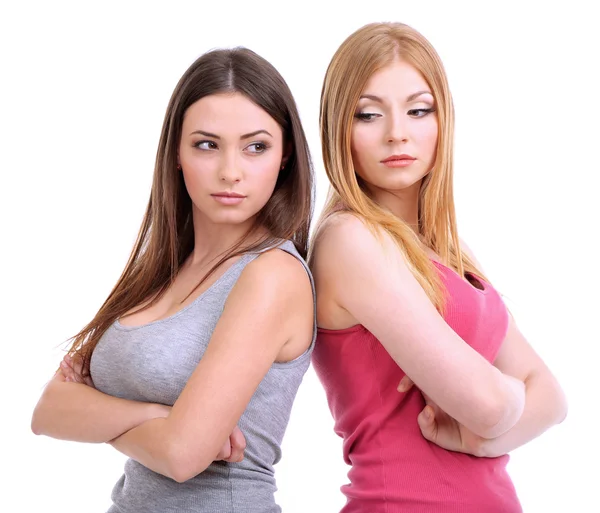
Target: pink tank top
[393, 468]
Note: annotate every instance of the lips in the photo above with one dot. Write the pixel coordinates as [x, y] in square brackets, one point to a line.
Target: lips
[395, 158]
[228, 195]
[228, 198]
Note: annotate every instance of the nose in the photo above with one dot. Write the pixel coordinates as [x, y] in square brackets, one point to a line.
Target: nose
[397, 128]
[230, 171]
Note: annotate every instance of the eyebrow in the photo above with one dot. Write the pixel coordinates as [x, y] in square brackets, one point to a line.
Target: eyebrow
[379, 100]
[245, 136]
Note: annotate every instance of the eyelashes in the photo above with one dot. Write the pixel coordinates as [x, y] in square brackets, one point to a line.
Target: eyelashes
[419, 113]
[255, 148]
[261, 147]
[366, 116]
[414, 113]
[206, 145]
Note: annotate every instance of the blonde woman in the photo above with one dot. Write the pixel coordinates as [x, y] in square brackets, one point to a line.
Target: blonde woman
[400, 300]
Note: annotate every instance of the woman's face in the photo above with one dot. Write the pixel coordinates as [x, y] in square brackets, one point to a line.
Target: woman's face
[395, 129]
[231, 152]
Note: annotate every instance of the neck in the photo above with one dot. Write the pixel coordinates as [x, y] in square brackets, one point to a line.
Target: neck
[212, 240]
[403, 203]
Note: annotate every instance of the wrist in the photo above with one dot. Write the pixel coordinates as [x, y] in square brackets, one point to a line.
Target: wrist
[476, 445]
[489, 448]
[158, 411]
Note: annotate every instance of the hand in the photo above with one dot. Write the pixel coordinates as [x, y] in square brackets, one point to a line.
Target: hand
[72, 369]
[441, 429]
[233, 449]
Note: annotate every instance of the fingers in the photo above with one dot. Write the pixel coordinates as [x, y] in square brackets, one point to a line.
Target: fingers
[76, 364]
[68, 371]
[427, 424]
[405, 384]
[225, 451]
[428, 399]
[72, 367]
[238, 445]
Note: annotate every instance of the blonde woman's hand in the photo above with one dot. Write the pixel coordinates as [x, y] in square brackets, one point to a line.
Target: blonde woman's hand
[439, 428]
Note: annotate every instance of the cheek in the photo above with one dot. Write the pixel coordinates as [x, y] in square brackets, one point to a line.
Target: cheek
[361, 144]
[261, 176]
[195, 178]
[430, 137]
[266, 177]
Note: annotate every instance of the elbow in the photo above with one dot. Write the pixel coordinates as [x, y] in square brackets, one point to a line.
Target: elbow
[37, 424]
[500, 411]
[563, 412]
[36, 429]
[183, 465]
[561, 405]
[43, 410]
[181, 472]
[497, 421]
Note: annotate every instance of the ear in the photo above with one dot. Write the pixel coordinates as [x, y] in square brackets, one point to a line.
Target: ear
[287, 153]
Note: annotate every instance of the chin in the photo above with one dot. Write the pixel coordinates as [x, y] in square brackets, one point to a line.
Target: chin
[398, 185]
[397, 180]
[231, 218]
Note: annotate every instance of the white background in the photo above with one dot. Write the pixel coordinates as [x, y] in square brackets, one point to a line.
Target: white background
[84, 88]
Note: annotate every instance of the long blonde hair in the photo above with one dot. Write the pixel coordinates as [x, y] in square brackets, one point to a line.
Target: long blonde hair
[363, 53]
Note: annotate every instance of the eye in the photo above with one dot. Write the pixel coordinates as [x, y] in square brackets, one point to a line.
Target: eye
[366, 116]
[206, 145]
[257, 147]
[419, 113]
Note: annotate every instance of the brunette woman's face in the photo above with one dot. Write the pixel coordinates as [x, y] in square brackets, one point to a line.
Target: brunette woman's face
[395, 129]
[231, 152]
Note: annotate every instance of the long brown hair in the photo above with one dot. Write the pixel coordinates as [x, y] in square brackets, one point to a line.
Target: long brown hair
[364, 52]
[166, 237]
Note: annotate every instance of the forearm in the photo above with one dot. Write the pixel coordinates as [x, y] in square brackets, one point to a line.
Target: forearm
[158, 446]
[512, 397]
[545, 405]
[148, 444]
[77, 412]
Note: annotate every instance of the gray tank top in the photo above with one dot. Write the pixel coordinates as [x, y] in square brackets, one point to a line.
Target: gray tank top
[153, 362]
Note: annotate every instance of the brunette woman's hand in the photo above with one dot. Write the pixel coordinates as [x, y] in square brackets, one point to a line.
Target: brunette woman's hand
[72, 369]
[233, 449]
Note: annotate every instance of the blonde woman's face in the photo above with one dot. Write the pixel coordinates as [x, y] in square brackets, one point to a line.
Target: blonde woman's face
[395, 129]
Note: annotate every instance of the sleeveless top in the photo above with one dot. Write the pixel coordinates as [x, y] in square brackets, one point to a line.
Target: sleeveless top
[393, 468]
[153, 362]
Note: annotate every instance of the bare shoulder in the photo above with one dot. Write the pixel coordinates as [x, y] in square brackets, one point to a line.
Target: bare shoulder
[343, 224]
[466, 249]
[274, 275]
[468, 252]
[274, 294]
[346, 237]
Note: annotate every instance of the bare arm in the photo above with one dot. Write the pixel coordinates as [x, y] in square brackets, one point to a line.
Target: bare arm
[545, 402]
[270, 304]
[80, 413]
[395, 308]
